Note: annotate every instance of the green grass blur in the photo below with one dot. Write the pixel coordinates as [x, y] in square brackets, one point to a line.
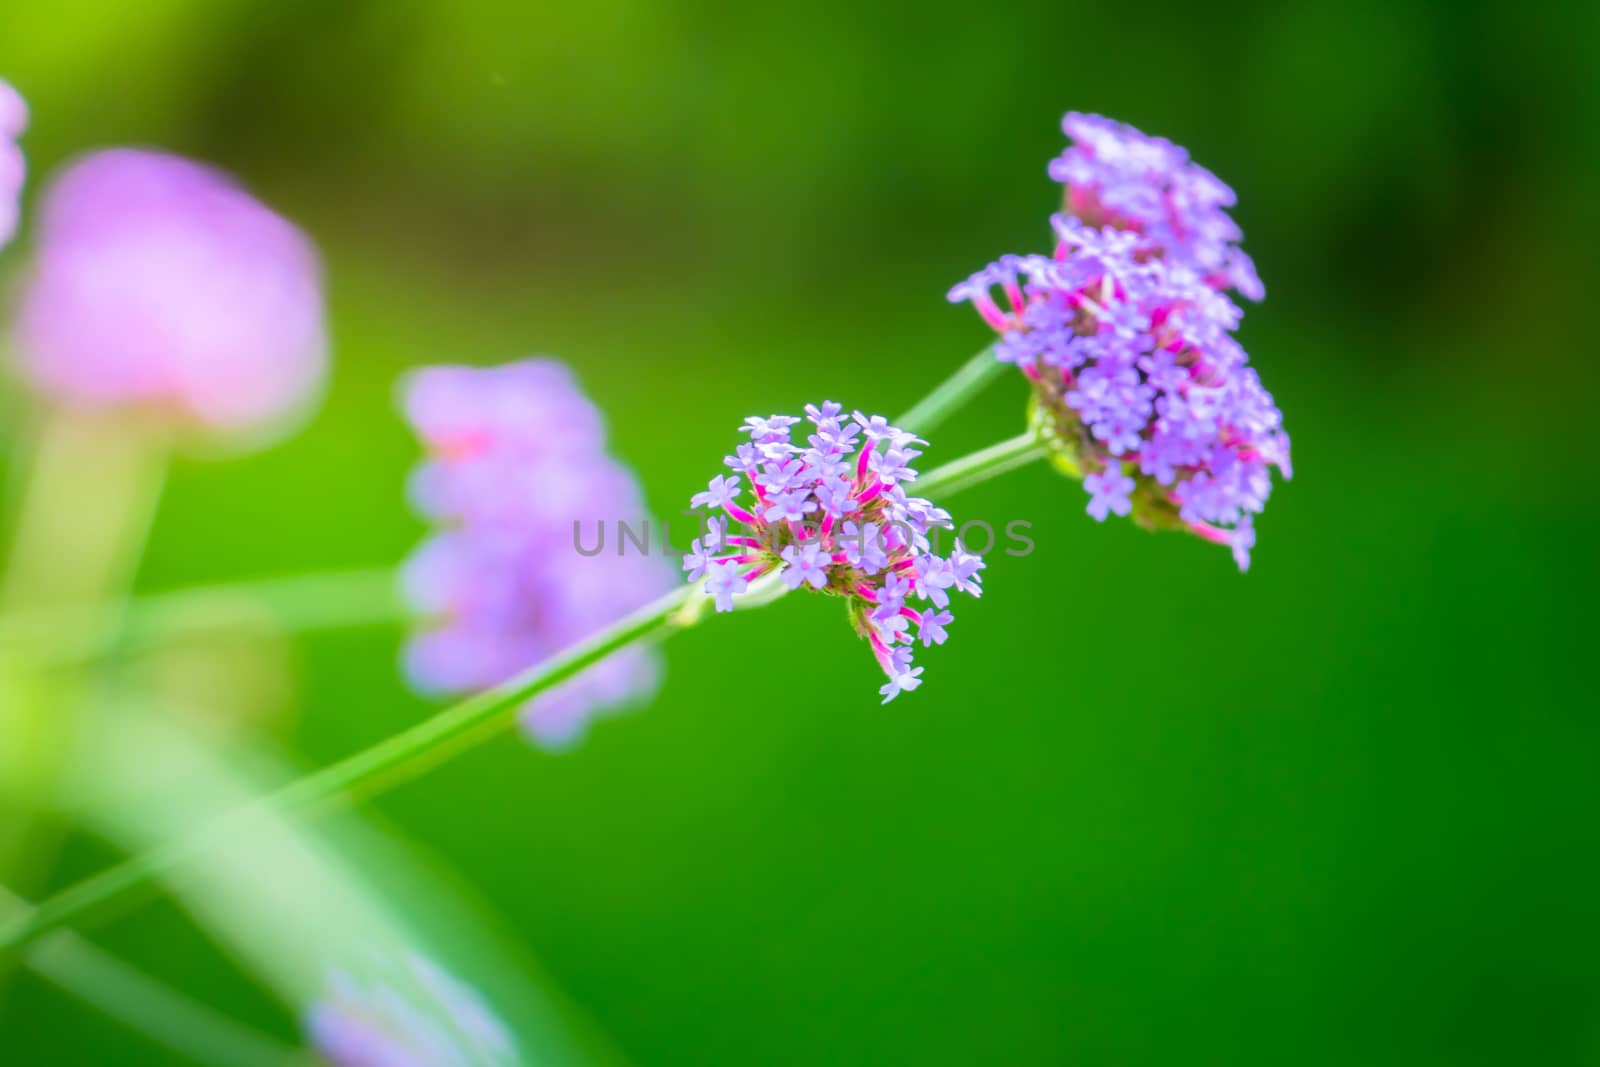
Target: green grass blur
[1147, 811]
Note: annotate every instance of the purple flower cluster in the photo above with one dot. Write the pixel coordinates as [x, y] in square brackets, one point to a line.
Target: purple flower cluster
[161, 285]
[415, 1016]
[516, 459]
[13, 120]
[1119, 177]
[834, 514]
[1140, 383]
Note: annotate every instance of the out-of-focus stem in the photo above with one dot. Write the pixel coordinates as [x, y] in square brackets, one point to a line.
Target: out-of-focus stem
[79, 530]
[149, 1007]
[80, 526]
[92, 489]
[981, 466]
[390, 762]
[302, 603]
[952, 393]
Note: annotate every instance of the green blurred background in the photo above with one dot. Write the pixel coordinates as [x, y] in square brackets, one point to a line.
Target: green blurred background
[1341, 809]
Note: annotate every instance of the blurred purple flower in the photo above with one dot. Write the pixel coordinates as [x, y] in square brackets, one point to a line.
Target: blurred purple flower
[1120, 177]
[834, 514]
[414, 1016]
[160, 284]
[516, 461]
[13, 120]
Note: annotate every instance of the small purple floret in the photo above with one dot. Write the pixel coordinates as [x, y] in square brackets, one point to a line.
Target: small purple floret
[1109, 491]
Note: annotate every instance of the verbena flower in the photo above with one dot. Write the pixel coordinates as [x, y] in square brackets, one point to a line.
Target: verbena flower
[1117, 176]
[415, 1015]
[13, 120]
[516, 477]
[1138, 381]
[833, 513]
[162, 286]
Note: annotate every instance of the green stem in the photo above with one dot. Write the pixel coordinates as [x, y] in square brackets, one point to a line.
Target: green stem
[457, 728]
[948, 397]
[160, 1013]
[980, 466]
[147, 1006]
[80, 526]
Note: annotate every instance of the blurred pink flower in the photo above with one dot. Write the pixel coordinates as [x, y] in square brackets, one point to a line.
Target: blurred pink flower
[160, 284]
[13, 120]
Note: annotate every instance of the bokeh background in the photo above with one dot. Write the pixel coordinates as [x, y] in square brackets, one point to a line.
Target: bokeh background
[1341, 809]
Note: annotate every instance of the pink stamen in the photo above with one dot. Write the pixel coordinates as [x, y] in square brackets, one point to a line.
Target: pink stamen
[991, 312]
[1014, 294]
[861, 463]
[881, 652]
[738, 514]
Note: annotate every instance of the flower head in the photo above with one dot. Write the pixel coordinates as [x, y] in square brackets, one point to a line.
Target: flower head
[518, 479]
[13, 120]
[1139, 381]
[161, 285]
[1119, 177]
[411, 1015]
[831, 512]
